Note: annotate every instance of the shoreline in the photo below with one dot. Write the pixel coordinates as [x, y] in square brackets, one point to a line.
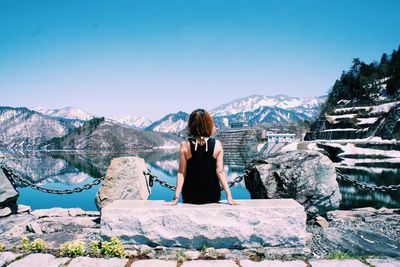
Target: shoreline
[330, 236]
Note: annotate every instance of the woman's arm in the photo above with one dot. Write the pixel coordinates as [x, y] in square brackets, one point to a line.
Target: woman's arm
[221, 173]
[180, 177]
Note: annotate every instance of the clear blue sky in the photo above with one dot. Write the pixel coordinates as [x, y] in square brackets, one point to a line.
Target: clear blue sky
[150, 58]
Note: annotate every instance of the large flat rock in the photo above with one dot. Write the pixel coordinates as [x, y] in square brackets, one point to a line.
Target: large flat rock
[7, 257]
[39, 260]
[124, 180]
[337, 263]
[272, 263]
[94, 262]
[267, 222]
[210, 263]
[153, 263]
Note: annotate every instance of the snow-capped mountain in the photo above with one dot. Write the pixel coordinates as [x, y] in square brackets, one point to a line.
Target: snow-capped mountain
[254, 109]
[133, 121]
[266, 115]
[171, 123]
[22, 128]
[66, 112]
[103, 134]
[253, 102]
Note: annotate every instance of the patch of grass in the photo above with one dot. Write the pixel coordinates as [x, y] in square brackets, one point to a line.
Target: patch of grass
[36, 246]
[94, 248]
[339, 255]
[113, 248]
[72, 249]
[2, 246]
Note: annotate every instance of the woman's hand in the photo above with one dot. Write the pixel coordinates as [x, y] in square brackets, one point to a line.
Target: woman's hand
[232, 202]
[172, 202]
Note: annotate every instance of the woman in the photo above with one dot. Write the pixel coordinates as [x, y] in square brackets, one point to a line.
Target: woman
[201, 164]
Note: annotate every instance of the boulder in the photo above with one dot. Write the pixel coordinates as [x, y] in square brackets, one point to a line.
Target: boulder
[279, 223]
[124, 180]
[39, 259]
[8, 194]
[309, 177]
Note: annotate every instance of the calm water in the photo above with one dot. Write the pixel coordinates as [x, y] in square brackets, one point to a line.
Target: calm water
[70, 171]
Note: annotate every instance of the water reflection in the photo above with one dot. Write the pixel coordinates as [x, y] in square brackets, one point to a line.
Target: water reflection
[72, 170]
[354, 196]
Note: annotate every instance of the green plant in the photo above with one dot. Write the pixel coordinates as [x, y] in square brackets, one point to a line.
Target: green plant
[113, 248]
[180, 256]
[2, 246]
[204, 246]
[37, 245]
[25, 244]
[94, 248]
[72, 249]
[339, 255]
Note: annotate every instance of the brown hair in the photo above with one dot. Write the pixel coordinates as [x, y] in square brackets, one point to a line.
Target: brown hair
[200, 124]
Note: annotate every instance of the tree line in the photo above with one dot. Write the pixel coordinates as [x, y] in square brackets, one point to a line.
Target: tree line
[362, 82]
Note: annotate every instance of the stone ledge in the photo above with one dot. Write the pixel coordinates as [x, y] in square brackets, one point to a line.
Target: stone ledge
[254, 223]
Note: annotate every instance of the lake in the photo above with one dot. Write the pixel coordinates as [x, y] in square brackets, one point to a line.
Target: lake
[74, 170]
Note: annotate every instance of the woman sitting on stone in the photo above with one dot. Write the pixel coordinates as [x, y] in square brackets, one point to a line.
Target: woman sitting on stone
[201, 164]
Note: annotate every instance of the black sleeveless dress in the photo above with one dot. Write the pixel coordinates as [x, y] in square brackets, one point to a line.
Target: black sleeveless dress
[201, 184]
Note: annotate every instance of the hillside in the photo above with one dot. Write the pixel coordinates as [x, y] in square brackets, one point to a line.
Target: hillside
[22, 128]
[363, 103]
[101, 134]
[254, 109]
[67, 113]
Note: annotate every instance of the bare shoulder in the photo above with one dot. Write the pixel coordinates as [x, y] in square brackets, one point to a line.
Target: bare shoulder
[218, 148]
[184, 146]
[218, 144]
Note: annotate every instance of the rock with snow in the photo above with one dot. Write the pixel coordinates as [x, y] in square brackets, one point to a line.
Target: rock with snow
[124, 180]
[273, 223]
[307, 176]
[8, 194]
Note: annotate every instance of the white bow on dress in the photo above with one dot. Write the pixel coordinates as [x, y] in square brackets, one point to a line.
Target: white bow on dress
[197, 142]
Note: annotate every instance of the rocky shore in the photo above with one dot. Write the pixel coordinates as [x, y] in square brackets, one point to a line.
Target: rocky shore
[355, 233]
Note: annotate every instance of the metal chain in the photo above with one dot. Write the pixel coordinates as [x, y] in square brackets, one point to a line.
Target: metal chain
[17, 178]
[363, 185]
[163, 183]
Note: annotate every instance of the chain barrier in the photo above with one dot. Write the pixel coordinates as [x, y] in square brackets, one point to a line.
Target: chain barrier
[15, 177]
[154, 178]
[363, 185]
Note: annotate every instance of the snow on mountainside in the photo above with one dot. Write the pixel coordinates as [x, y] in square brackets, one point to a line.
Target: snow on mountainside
[66, 112]
[133, 121]
[254, 102]
[172, 123]
[254, 109]
[22, 128]
[102, 134]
